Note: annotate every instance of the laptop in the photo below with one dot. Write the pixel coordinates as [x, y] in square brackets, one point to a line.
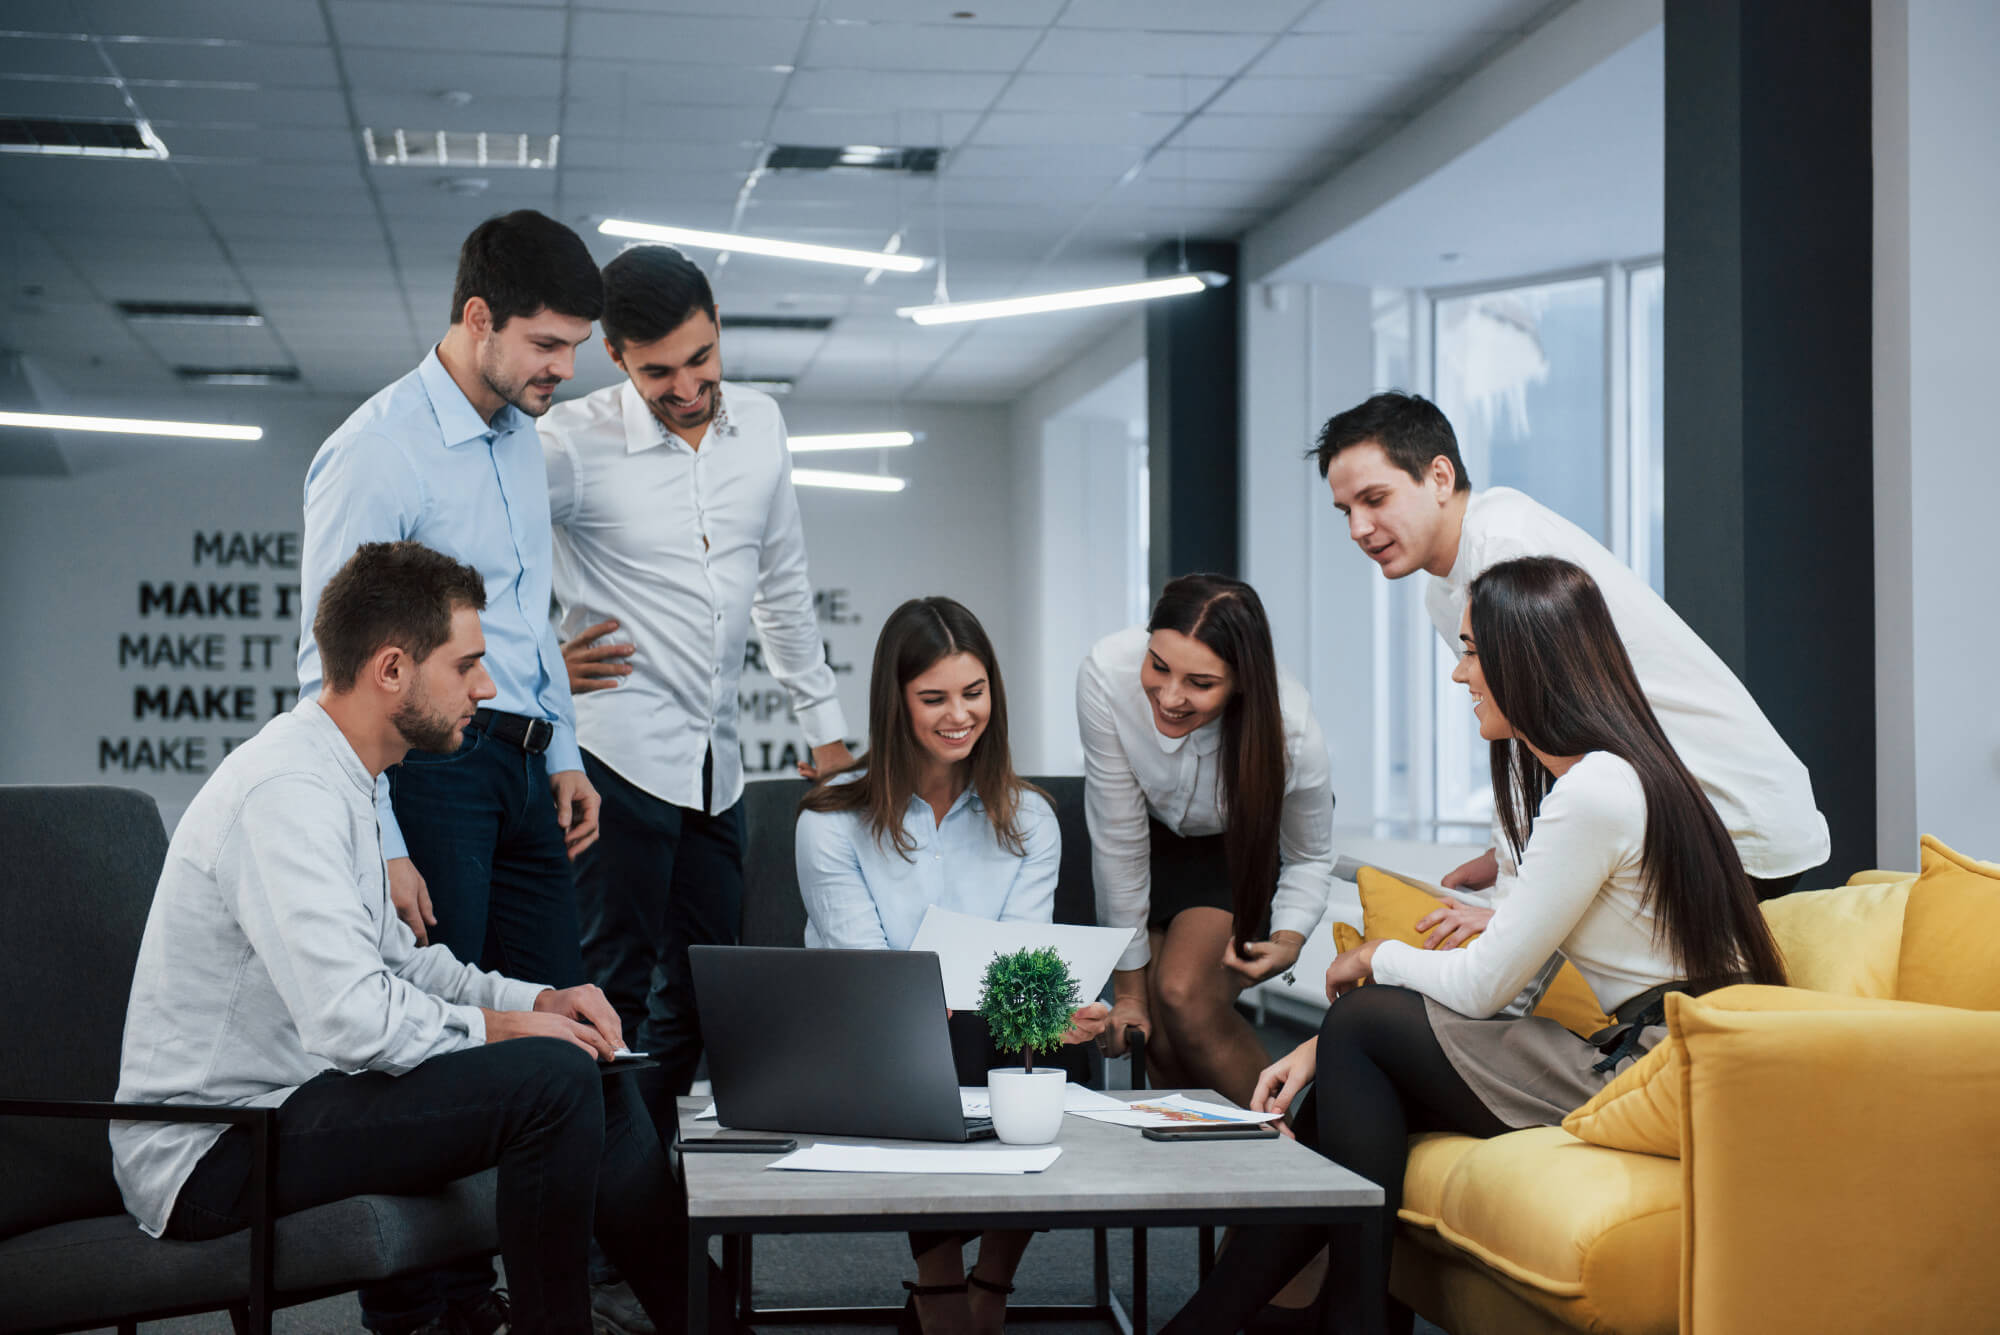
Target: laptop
[830, 1042]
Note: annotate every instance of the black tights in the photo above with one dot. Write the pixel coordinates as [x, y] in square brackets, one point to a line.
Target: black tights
[1382, 1077]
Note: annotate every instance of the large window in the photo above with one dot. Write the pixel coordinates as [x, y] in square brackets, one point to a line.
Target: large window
[1553, 387]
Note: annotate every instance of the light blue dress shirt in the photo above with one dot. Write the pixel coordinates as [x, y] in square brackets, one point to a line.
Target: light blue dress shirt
[416, 461]
[862, 894]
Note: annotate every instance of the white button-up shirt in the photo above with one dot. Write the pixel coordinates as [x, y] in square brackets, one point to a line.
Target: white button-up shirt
[272, 954]
[1759, 788]
[862, 894]
[1131, 772]
[688, 549]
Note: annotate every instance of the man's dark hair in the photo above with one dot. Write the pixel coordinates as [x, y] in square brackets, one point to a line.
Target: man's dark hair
[524, 262]
[650, 291]
[400, 593]
[1408, 427]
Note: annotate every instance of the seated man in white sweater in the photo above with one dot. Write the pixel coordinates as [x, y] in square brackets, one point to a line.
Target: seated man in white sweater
[275, 972]
[1393, 465]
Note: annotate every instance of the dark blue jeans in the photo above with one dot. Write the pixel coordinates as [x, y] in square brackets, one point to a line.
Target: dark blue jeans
[576, 1151]
[481, 827]
[660, 879]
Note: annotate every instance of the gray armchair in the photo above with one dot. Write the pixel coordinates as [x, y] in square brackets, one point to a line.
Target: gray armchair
[75, 888]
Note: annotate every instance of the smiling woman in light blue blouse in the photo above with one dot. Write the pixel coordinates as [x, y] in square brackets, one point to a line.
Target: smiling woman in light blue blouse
[935, 815]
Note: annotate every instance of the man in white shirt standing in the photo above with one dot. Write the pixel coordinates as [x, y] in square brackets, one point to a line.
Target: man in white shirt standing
[676, 526]
[275, 972]
[1393, 465]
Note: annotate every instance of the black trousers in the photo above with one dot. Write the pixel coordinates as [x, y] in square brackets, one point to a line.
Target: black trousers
[576, 1151]
[659, 879]
[481, 827]
[1382, 1076]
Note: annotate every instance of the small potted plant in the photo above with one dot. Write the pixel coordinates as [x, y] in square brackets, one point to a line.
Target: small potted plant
[1027, 999]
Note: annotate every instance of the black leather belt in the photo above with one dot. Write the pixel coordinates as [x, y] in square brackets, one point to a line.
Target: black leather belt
[530, 734]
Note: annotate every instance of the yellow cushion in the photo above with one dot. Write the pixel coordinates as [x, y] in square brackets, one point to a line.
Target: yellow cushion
[1951, 954]
[1563, 1218]
[1432, 1158]
[1391, 908]
[1840, 1169]
[1843, 940]
[1879, 875]
[1641, 1109]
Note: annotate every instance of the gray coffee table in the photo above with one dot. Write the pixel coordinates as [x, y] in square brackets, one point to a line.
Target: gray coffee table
[1108, 1176]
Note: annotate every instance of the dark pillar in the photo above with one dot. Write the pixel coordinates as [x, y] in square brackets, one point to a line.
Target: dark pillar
[1769, 463]
[1192, 347]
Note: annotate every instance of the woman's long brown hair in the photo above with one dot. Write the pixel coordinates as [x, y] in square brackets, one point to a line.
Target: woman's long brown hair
[1227, 616]
[917, 636]
[1556, 668]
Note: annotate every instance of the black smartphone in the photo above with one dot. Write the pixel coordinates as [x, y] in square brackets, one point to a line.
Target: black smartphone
[739, 1145]
[1211, 1131]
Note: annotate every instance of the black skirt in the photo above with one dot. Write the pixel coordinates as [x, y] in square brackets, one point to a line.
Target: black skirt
[1192, 872]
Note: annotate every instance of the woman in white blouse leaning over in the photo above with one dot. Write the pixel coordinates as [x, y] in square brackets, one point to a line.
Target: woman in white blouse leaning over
[1618, 861]
[1211, 824]
[935, 815]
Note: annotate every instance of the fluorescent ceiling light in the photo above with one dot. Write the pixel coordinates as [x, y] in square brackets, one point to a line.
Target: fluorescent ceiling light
[132, 426]
[821, 477]
[761, 245]
[954, 312]
[79, 137]
[455, 148]
[857, 440]
[208, 312]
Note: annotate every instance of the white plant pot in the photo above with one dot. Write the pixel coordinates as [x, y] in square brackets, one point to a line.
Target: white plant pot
[1027, 1105]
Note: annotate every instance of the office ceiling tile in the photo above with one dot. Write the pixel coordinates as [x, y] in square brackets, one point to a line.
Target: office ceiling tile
[448, 27]
[1138, 51]
[639, 123]
[685, 39]
[855, 90]
[946, 129]
[268, 107]
[1281, 133]
[668, 84]
[1094, 129]
[995, 13]
[255, 145]
[919, 47]
[486, 77]
[1485, 16]
[424, 113]
[49, 57]
[1419, 56]
[29, 98]
[1352, 95]
[274, 65]
[229, 20]
[1171, 94]
[1204, 16]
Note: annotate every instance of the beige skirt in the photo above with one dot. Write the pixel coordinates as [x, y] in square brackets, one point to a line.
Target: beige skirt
[1527, 1070]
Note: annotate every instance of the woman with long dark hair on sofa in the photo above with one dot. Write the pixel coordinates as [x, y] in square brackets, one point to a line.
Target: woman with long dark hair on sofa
[1612, 856]
[1210, 806]
[934, 814]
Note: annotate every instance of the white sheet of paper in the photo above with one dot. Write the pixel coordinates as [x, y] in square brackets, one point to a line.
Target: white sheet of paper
[965, 945]
[889, 1159]
[1175, 1110]
[973, 1102]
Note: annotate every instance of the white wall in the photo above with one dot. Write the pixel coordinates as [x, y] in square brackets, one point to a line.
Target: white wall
[74, 551]
[1307, 354]
[1937, 292]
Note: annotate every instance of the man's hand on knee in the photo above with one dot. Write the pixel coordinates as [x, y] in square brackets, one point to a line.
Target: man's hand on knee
[411, 897]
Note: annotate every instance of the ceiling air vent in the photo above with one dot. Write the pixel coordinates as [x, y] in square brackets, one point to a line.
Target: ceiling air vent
[454, 148]
[190, 312]
[79, 138]
[868, 157]
[237, 375]
[808, 324]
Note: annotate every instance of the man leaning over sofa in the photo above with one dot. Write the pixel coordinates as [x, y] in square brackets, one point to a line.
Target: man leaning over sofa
[274, 971]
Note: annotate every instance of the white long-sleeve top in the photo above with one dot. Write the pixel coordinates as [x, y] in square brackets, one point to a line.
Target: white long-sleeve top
[1759, 788]
[1578, 890]
[862, 894]
[272, 953]
[688, 549]
[1131, 773]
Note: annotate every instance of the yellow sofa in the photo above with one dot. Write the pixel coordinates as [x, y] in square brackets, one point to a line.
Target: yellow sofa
[1839, 1163]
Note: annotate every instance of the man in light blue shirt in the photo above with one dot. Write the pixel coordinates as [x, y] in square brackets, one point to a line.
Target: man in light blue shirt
[478, 853]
